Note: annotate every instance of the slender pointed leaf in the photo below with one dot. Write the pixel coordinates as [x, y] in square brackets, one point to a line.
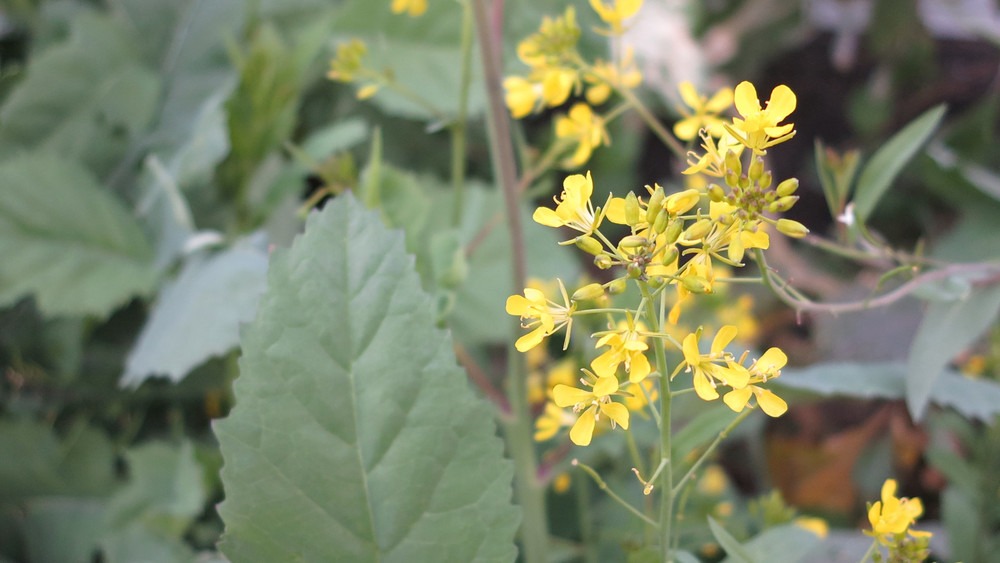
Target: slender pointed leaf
[735, 551]
[355, 436]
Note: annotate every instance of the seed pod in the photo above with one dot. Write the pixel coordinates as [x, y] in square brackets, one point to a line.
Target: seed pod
[633, 241]
[670, 256]
[661, 222]
[792, 228]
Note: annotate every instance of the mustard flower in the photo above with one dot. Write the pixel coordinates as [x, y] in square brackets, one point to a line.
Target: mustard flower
[759, 127]
[604, 76]
[557, 85]
[551, 421]
[544, 317]
[521, 96]
[704, 112]
[626, 345]
[706, 369]
[573, 206]
[413, 7]
[712, 163]
[767, 367]
[584, 127]
[593, 404]
[892, 517]
[615, 13]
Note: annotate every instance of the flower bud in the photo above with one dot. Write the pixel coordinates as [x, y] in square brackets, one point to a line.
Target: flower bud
[783, 204]
[655, 205]
[633, 241]
[756, 168]
[716, 193]
[588, 244]
[696, 284]
[733, 163]
[670, 256]
[617, 287]
[588, 292]
[661, 222]
[791, 228]
[635, 271]
[732, 179]
[765, 179]
[673, 231]
[603, 261]
[698, 230]
[787, 187]
[631, 209]
[681, 202]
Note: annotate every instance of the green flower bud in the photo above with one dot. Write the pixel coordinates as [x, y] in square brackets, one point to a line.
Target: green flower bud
[733, 163]
[696, 284]
[634, 270]
[670, 256]
[673, 231]
[655, 205]
[603, 261]
[791, 228]
[631, 209]
[661, 222]
[698, 230]
[785, 203]
[716, 193]
[787, 187]
[617, 287]
[589, 244]
[588, 292]
[765, 179]
[633, 241]
[756, 168]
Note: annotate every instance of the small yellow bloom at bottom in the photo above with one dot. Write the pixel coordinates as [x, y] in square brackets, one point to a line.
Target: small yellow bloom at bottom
[891, 517]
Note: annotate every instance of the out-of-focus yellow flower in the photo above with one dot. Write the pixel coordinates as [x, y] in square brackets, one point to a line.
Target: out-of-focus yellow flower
[716, 366]
[704, 112]
[767, 367]
[413, 7]
[605, 76]
[561, 483]
[615, 13]
[543, 316]
[637, 398]
[553, 44]
[815, 525]
[891, 517]
[573, 206]
[551, 421]
[521, 96]
[584, 127]
[759, 127]
[714, 481]
[593, 403]
[347, 63]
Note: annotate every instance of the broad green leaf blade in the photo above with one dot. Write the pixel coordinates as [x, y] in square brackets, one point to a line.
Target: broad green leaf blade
[198, 316]
[67, 241]
[62, 530]
[782, 544]
[355, 436]
[736, 552]
[889, 160]
[948, 328]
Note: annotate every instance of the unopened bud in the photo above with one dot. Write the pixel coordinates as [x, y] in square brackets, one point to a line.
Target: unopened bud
[654, 205]
[634, 270]
[783, 204]
[696, 284]
[588, 244]
[588, 292]
[603, 261]
[698, 230]
[787, 187]
[633, 241]
[617, 287]
[733, 164]
[631, 209]
[791, 228]
[716, 193]
[661, 222]
[732, 179]
[681, 202]
[670, 256]
[673, 231]
[756, 168]
[765, 179]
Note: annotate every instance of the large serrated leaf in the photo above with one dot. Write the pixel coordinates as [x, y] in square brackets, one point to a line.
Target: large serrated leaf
[67, 241]
[886, 164]
[355, 437]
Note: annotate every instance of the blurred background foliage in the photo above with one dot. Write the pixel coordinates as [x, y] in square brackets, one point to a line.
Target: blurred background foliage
[151, 151]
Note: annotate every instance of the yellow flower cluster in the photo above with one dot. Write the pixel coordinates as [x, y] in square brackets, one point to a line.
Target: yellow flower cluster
[891, 519]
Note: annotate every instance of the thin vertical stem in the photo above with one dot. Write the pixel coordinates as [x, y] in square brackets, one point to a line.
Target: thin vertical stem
[459, 127]
[528, 490]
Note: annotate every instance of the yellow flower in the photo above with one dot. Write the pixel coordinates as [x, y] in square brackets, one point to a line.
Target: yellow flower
[557, 84]
[546, 317]
[573, 207]
[893, 516]
[604, 76]
[767, 367]
[584, 127]
[815, 525]
[706, 370]
[636, 399]
[414, 7]
[618, 11]
[551, 421]
[593, 403]
[712, 163]
[759, 127]
[561, 483]
[714, 481]
[347, 63]
[521, 96]
[704, 112]
[626, 345]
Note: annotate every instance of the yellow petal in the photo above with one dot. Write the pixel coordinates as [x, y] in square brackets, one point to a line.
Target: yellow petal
[736, 249]
[781, 104]
[687, 128]
[736, 376]
[689, 94]
[875, 515]
[773, 359]
[605, 386]
[606, 364]
[717, 209]
[703, 387]
[775, 132]
[737, 398]
[690, 347]
[614, 211]
[755, 240]
[530, 340]
[720, 101]
[771, 404]
[583, 431]
[517, 305]
[639, 368]
[547, 217]
[722, 339]
[681, 202]
[578, 187]
[746, 99]
[888, 490]
[598, 93]
[616, 412]
[567, 396]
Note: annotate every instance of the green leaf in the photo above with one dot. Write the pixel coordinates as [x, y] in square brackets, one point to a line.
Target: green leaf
[948, 328]
[67, 241]
[353, 425]
[736, 552]
[963, 521]
[62, 530]
[198, 315]
[889, 160]
[704, 427]
[781, 544]
[137, 543]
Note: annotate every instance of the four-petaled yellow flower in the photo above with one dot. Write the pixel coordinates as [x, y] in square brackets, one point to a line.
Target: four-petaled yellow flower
[706, 369]
[544, 317]
[413, 7]
[767, 367]
[594, 403]
[628, 346]
[573, 207]
[704, 114]
[759, 127]
[891, 516]
[617, 12]
[584, 127]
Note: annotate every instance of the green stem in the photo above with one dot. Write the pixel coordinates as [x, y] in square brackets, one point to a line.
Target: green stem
[666, 476]
[586, 522]
[668, 139]
[710, 449]
[527, 488]
[604, 487]
[633, 450]
[871, 551]
[459, 128]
